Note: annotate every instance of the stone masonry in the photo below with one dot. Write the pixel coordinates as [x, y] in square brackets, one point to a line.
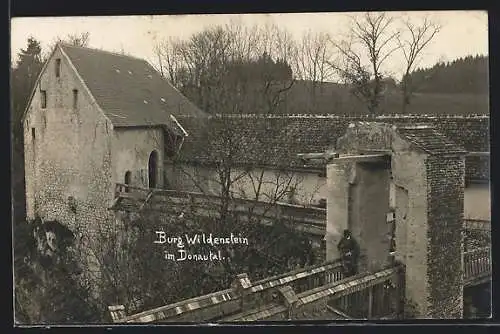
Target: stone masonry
[67, 151]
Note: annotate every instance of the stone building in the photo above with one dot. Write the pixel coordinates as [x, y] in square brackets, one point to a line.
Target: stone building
[428, 171]
[268, 145]
[96, 118]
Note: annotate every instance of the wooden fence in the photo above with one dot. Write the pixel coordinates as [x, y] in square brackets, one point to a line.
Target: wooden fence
[477, 265]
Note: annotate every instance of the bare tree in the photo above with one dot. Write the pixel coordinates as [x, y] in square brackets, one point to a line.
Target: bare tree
[76, 39]
[169, 56]
[224, 61]
[81, 39]
[312, 55]
[371, 37]
[416, 37]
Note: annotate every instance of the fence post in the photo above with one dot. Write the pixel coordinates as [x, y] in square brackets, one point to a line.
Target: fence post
[240, 286]
[290, 300]
[370, 302]
[401, 292]
[117, 312]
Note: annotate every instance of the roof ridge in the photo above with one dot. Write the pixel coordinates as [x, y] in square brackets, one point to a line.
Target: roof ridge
[65, 44]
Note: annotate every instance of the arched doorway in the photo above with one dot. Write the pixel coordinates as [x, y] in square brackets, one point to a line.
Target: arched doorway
[127, 180]
[153, 169]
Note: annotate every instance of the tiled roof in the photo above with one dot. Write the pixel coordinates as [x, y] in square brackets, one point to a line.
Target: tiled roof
[427, 138]
[129, 90]
[256, 140]
[276, 140]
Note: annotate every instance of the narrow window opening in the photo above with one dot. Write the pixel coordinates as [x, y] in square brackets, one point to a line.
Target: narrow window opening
[153, 169]
[75, 98]
[43, 96]
[33, 134]
[127, 181]
[58, 68]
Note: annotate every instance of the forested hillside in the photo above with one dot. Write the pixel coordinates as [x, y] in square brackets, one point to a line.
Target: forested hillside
[467, 75]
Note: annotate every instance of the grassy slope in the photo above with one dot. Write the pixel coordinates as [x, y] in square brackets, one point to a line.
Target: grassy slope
[334, 99]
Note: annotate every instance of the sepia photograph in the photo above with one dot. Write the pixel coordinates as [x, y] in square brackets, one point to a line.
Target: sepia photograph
[239, 168]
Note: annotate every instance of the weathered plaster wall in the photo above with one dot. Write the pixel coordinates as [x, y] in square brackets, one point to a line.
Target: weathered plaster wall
[371, 205]
[409, 176]
[337, 209]
[477, 202]
[287, 186]
[269, 184]
[131, 150]
[70, 154]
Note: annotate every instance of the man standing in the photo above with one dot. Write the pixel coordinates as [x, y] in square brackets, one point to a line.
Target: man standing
[349, 252]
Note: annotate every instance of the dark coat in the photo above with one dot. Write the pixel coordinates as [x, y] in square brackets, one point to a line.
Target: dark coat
[349, 249]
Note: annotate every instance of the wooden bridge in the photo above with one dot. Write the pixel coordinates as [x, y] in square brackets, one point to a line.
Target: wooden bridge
[313, 293]
[318, 292]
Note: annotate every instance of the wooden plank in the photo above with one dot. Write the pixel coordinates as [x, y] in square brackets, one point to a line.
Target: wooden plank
[361, 158]
[322, 155]
[374, 151]
[146, 200]
[338, 312]
[478, 154]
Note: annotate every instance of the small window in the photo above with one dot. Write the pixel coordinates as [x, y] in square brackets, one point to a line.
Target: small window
[43, 97]
[75, 98]
[58, 68]
[33, 134]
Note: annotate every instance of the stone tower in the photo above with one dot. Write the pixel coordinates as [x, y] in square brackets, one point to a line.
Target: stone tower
[426, 171]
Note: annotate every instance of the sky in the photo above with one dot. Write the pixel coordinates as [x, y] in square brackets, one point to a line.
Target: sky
[463, 32]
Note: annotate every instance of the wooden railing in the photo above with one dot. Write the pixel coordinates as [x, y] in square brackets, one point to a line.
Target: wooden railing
[315, 289]
[366, 296]
[225, 302]
[477, 265]
[300, 280]
[310, 219]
